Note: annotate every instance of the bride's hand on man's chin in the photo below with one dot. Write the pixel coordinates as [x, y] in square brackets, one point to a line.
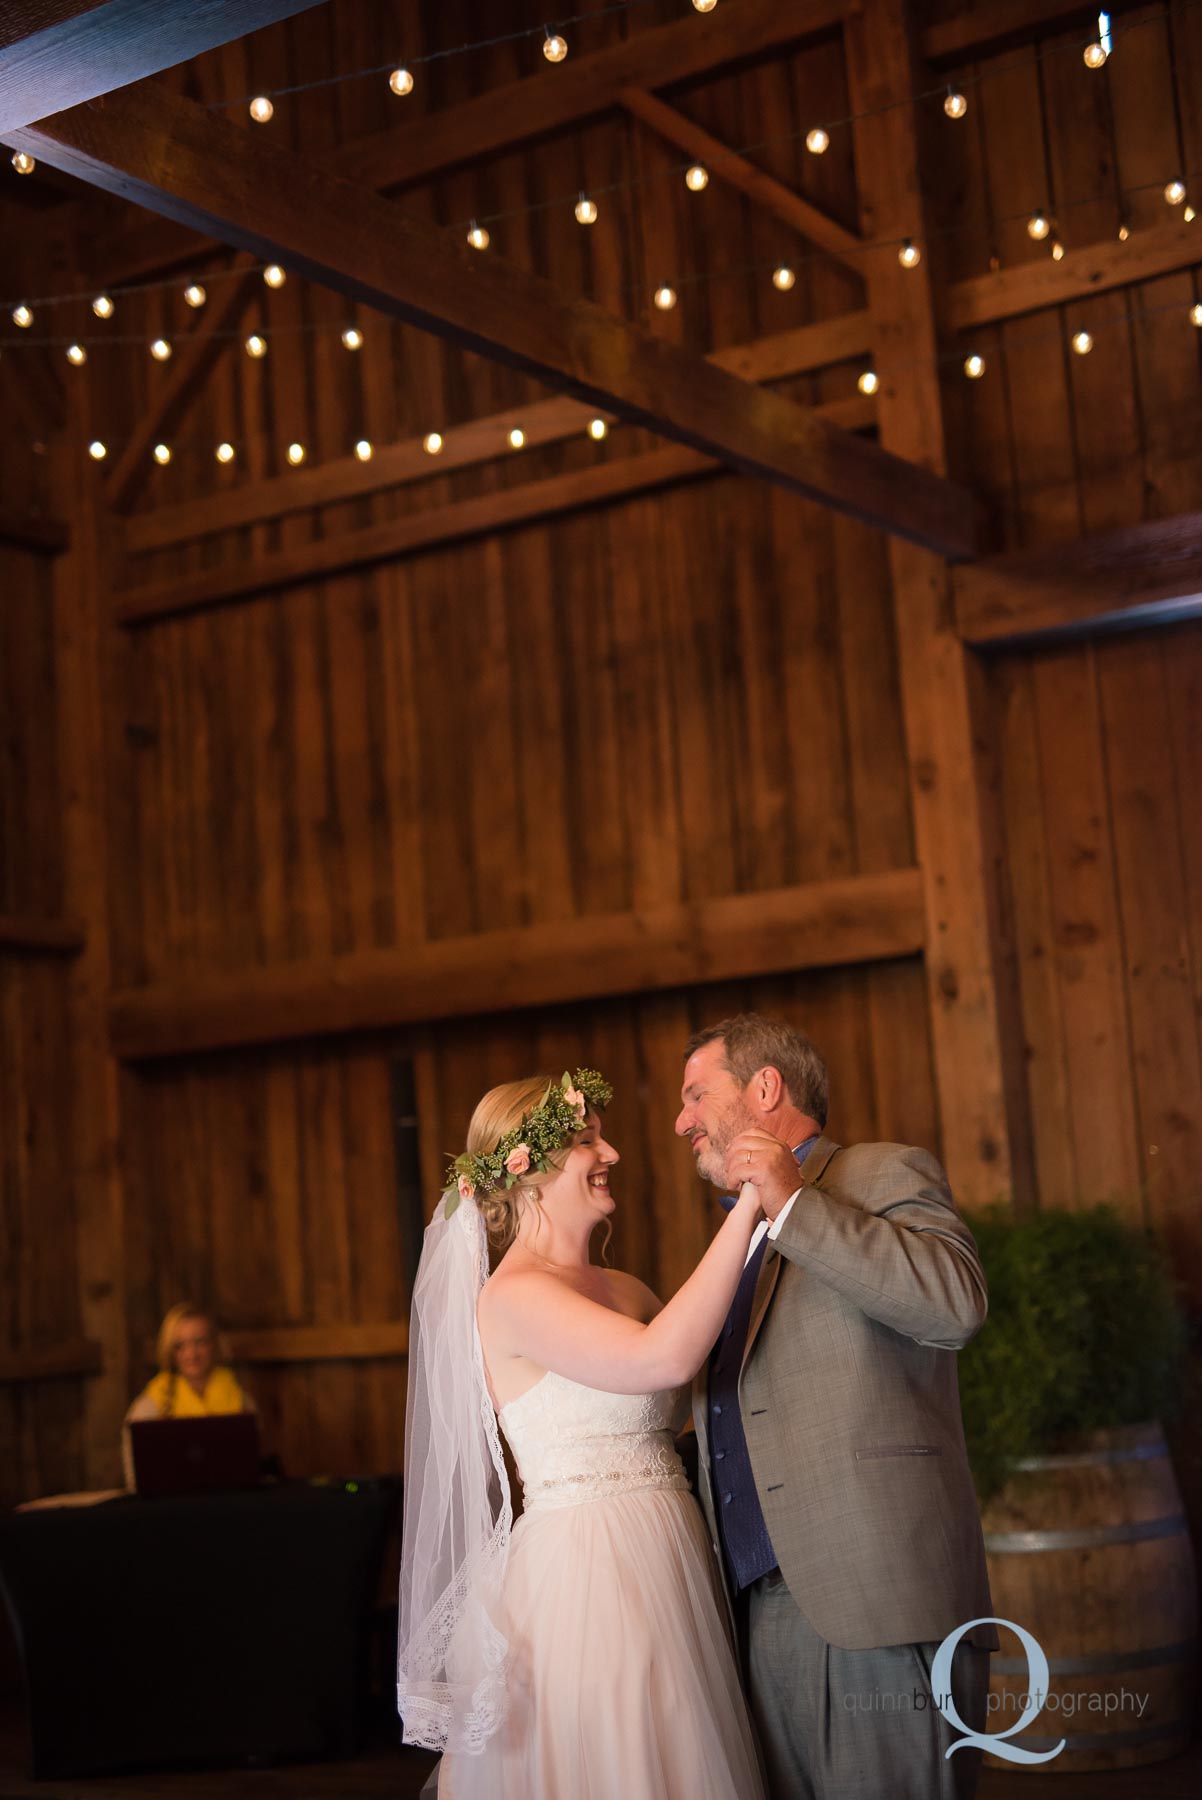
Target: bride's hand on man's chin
[758, 1159]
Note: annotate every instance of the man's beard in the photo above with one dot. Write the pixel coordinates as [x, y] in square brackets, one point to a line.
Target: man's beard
[711, 1160]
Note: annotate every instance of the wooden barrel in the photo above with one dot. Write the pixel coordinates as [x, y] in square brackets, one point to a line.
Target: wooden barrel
[1090, 1552]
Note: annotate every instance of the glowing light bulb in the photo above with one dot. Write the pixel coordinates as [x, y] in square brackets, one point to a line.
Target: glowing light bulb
[517, 438]
[160, 350]
[974, 367]
[97, 451]
[1038, 226]
[77, 354]
[296, 454]
[696, 178]
[1094, 55]
[597, 428]
[261, 109]
[477, 236]
[955, 105]
[1189, 215]
[1195, 313]
[1124, 232]
[162, 454]
[102, 306]
[783, 278]
[274, 276]
[817, 141]
[1057, 250]
[704, 6]
[256, 346]
[364, 450]
[23, 316]
[401, 81]
[1174, 192]
[1082, 342]
[352, 338]
[432, 443]
[665, 297]
[909, 256]
[194, 294]
[586, 211]
[225, 453]
[23, 163]
[869, 382]
[555, 48]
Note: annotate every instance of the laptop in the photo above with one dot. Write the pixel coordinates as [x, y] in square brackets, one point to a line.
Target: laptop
[195, 1456]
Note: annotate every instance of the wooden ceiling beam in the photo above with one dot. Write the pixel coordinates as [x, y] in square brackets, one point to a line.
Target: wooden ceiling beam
[60, 53]
[1095, 269]
[861, 918]
[727, 165]
[40, 936]
[772, 358]
[178, 158]
[1144, 575]
[29, 531]
[984, 28]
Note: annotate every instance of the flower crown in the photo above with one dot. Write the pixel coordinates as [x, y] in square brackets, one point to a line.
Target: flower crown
[559, 1115]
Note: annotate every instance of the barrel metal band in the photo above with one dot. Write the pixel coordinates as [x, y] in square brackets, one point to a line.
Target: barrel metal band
[1116, 1740]
[1115, 1662]
[1094, 1537]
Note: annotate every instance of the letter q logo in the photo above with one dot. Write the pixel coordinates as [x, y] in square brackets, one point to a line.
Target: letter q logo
[995, 1741]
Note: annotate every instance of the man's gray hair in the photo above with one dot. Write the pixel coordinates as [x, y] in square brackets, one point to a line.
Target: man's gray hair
[750, 1043]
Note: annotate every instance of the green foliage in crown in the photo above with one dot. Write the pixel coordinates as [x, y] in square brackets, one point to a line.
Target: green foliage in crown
[559, 1115]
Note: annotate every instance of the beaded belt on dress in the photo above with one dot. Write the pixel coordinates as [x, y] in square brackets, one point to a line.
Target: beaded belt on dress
[655, 1466]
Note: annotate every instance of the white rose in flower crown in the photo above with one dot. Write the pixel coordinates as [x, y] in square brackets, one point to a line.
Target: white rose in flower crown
[518, 1160]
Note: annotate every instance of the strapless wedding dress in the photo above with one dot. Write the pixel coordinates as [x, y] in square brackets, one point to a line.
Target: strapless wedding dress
[623, 1683]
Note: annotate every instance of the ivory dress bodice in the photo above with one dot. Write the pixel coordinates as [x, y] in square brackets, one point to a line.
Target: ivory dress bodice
[574, 1443]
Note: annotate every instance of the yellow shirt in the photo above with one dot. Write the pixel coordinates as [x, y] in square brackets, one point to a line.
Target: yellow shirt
[221, 1395]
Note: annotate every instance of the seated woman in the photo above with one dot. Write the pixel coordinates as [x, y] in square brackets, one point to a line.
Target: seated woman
[191, 1383]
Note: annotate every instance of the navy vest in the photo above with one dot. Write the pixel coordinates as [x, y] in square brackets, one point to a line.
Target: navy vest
[744, 1535]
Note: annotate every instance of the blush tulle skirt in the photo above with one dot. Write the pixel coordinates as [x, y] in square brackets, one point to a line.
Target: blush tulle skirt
[624, 1684]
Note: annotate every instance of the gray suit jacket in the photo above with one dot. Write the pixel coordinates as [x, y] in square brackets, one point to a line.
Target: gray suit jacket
[850, 1403]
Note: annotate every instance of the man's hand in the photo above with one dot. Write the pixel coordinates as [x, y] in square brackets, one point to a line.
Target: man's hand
[769, 1165]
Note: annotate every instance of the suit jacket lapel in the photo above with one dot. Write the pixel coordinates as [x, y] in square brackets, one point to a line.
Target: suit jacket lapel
[811, 1172]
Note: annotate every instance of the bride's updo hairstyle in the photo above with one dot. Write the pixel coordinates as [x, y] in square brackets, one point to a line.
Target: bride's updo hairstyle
[501, 1110]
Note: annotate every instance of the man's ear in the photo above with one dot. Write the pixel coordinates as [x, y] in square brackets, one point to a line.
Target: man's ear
[770, 1087]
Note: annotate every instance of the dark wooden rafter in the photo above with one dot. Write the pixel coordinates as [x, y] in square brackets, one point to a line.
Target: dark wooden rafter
[724, 164]
[773, 358]
[857, 919]
[40, 936]
[61, 52]
[992, 25]
[1094, 269]
[74, 1356]
[32, 531]
[1145, 575]
[177, 158]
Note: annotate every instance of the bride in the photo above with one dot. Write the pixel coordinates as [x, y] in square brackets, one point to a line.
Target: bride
[583, 1654]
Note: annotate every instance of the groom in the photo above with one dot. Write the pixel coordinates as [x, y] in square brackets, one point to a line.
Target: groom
[832, 1462]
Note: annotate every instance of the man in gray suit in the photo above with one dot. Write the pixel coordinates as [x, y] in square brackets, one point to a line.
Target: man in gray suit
[833, 1472]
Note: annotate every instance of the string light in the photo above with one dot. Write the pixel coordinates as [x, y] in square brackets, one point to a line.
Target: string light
[783, 277]
[162, 454]
[401, 81]
[665, 297]
[160, 350]
[364, 450]
[1189, 215]
[974, 367]
[1038, 226]
[23, 163]
[1082, 343]
[225, 453]
[817, 141]
[586, 211]
[909, 256]
[1095, 55]
[432, 443]
[696, 178]
[517, 438]
[194, 294]
[1124, 232]
[955, 105]
[23, 316]
[103, 307]
[256, 346]
[77, 354]
[296, 454]
[597, 428]
[869, 381]
[352, 338]
[1195, 313]
[97, 451]
[261, 109]
[704, 6]
[554, 47]
[1057, 250]
[1174, 192]
[274, 276]
[477, 236]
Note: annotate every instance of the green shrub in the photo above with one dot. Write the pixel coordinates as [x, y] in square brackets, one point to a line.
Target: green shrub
[1084, 1332]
